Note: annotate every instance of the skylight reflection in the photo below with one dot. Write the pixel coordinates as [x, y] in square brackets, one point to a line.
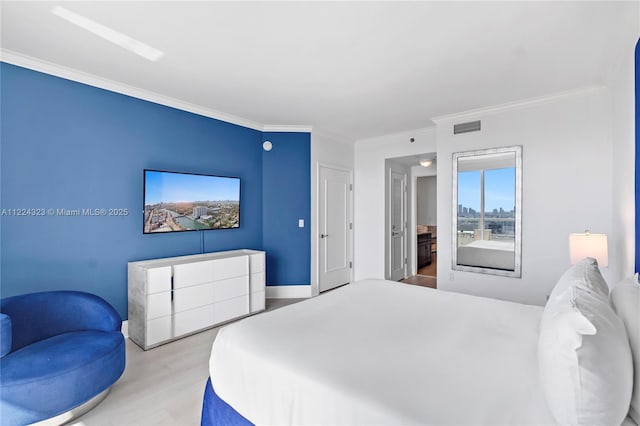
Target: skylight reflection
[109, 34]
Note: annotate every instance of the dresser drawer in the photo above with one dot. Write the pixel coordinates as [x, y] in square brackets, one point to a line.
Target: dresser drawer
[257, 282]
[158, 279]
[230, 267]
[257, 301]
[158, 305]
[188, 274]
[193, 320]
[159, 330]
[233, 287]
[232, 308]
[256, 263]
[193, 297]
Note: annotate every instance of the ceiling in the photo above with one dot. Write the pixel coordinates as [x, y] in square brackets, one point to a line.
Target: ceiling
[351, 70]
[414, 160]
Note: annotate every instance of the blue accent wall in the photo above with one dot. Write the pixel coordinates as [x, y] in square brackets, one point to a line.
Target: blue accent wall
[286, 173]
[637, 156]
[66, 145]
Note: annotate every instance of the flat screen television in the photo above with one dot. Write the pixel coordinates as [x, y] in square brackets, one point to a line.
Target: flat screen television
[176, 202]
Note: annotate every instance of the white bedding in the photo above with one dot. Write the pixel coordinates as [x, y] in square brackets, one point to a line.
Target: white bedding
[380, 352]
[488, 254]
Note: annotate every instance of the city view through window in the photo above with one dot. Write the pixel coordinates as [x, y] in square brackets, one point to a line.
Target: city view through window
[493, 189]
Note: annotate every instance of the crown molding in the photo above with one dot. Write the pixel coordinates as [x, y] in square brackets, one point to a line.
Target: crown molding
[286, 128]
[523, 103]
[72, 74]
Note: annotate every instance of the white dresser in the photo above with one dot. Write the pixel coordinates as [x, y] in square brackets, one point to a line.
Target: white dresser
[173, 297]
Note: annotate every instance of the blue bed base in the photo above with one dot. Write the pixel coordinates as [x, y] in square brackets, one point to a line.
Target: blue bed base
[216, 412]
[637, 165]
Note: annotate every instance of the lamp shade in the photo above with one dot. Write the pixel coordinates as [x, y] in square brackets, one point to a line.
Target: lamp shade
[586, 244]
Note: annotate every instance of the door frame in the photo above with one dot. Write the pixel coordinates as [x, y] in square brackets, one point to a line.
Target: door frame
[315, 283]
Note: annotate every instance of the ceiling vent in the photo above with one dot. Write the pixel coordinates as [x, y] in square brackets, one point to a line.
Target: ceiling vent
[471, 126]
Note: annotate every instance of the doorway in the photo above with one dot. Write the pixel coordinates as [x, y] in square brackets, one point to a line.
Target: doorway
[426, 211]
[411, 219]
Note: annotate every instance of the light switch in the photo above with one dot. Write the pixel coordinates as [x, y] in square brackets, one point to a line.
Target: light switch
[300, 223]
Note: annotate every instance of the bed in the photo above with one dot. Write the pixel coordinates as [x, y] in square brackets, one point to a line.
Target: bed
[488, 254]
[380, 352]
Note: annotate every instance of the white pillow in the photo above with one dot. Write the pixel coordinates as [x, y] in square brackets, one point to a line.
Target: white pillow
[584, 273]
[625, 297]
[584, 357]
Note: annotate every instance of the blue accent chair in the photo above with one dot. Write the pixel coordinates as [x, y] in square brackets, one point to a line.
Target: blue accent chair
[60, 351]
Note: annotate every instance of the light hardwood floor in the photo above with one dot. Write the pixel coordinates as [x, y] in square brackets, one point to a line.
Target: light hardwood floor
[162, 386]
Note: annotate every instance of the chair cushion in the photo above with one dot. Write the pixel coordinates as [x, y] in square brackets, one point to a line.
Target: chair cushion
[54, 375]
[38, 316]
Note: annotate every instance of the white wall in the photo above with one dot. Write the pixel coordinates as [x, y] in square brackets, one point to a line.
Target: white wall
[622, 245]
[567, 181]
[369, 193]
[325, 150]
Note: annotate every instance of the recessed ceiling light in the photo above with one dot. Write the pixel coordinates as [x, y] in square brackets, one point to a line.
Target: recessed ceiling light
[109, 34]
[426, 162]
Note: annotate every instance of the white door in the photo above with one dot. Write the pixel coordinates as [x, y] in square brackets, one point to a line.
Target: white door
[334, 227]
[397, 220]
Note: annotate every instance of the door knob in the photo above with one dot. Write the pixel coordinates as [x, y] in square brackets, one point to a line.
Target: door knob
[324, 235]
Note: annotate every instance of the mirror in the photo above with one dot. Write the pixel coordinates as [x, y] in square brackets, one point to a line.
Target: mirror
[487, 211]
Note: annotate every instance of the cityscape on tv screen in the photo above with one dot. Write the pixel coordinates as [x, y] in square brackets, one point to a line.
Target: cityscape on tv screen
[187, 202]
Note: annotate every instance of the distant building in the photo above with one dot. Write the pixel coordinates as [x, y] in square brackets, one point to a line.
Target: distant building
[199, 211]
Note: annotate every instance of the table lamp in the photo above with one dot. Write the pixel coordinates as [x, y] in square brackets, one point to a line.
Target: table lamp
[586, 244]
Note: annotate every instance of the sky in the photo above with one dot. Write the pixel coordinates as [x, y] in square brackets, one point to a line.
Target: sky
[499, 189]
[175, 187]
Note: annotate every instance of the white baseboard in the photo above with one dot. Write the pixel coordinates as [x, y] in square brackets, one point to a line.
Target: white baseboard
[125, 329]
[288, 291]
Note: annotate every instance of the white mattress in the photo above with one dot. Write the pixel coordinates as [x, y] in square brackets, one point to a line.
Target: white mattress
[380, 352]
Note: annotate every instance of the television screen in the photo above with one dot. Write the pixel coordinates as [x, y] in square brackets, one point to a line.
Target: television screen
[175, 202]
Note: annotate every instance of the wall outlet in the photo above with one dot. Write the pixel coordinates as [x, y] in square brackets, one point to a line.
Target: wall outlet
[300, 223]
